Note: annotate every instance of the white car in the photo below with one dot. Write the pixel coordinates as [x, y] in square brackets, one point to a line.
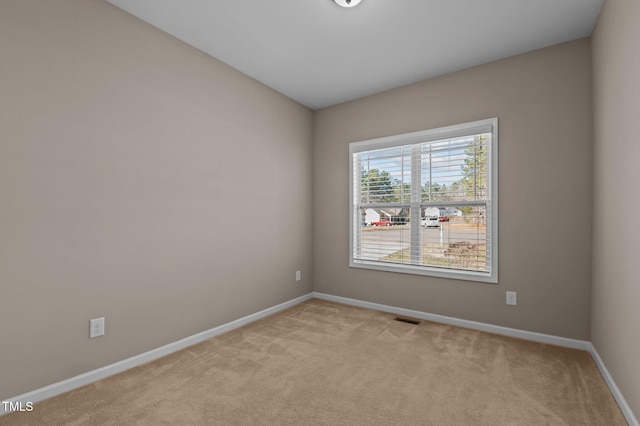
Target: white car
[430, 222]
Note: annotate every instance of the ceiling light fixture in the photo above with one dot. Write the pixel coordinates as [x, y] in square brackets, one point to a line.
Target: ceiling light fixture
[347, 3]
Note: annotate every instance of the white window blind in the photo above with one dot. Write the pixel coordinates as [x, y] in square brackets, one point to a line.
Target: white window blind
[426, 202]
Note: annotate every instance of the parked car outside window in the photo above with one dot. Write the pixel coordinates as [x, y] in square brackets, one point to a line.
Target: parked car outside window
[430, 222]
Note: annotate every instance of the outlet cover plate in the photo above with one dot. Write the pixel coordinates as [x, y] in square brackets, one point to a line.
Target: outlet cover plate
[96, 327]
[512, 298]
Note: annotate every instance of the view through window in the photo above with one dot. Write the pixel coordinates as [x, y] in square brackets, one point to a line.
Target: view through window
[425, 202]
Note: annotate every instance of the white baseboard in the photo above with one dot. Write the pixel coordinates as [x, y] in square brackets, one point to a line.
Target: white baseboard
[622, 403]
[496, 329]
[120, 366]
[109, 370]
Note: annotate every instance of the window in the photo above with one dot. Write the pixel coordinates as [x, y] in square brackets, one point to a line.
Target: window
[426, 202]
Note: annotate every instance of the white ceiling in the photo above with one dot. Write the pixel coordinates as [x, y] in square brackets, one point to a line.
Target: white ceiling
[321, 54]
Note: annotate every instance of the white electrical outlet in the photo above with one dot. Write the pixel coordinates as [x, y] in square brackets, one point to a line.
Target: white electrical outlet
[512, 298]
[298, 276]
[96, 327]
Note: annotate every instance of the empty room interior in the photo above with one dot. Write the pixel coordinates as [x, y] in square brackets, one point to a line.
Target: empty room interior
[319, 212]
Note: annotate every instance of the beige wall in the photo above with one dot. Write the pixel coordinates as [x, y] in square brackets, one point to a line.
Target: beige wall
[543, 102]
[124, 180]
[616, 269]
[140, 180]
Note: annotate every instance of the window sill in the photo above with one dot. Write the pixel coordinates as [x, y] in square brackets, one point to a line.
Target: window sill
[426, 271]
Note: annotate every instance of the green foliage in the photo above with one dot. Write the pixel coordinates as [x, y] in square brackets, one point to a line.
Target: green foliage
[377, 186]
[434, 192]
[474, 170]
[401, 191]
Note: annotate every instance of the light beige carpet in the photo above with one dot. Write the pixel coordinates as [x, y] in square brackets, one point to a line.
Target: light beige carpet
[322, 363]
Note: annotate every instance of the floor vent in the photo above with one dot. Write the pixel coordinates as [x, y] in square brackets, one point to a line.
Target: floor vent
[407, 320]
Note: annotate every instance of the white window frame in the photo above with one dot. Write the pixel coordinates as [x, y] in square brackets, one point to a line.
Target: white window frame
[431, 135]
